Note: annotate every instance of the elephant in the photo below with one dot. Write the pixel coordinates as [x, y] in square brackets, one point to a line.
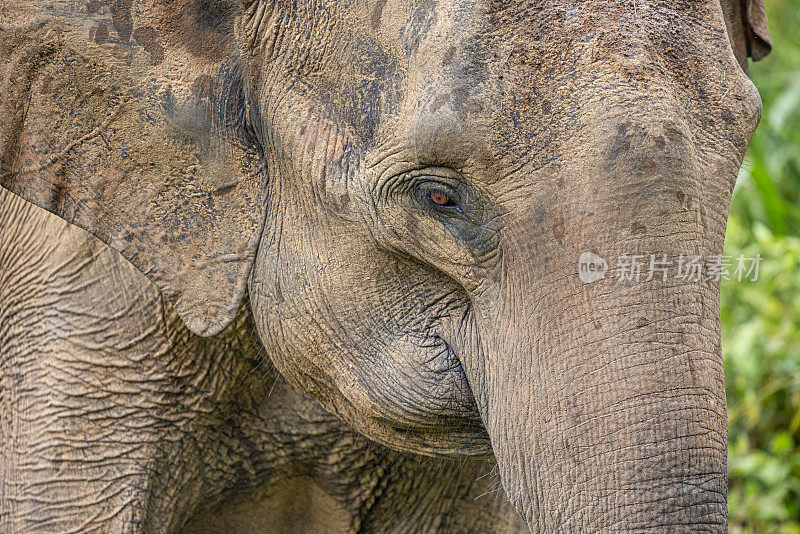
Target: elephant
[116, 418]
[379, 205]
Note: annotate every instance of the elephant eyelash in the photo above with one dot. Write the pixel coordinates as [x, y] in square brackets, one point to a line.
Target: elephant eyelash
[411, 181]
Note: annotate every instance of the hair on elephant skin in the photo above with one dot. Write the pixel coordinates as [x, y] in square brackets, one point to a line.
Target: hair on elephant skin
[379, 205]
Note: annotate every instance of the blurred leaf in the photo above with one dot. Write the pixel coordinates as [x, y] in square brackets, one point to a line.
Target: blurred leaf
[770, 198]
[761, 319]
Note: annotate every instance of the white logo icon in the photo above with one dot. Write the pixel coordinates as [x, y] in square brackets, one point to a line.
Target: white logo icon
[591, 267]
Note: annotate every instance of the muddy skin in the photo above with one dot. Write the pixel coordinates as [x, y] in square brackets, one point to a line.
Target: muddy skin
[379, 206]
[116, 418]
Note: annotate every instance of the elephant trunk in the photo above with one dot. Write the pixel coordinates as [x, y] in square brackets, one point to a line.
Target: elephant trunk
[605, 401]
[607, 413]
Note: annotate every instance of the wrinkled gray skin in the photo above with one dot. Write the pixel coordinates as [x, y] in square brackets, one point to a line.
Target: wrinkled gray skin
[116, 418]
[294, 151]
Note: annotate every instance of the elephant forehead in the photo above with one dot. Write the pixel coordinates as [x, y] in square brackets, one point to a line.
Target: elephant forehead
[503, 65]
[518, 81]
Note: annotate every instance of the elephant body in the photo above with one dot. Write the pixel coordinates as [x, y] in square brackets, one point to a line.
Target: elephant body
[362, 222]
[116, 418]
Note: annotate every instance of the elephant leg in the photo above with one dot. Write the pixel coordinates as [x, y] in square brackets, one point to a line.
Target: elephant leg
[319, 475]
[116, 418]
[109, 406]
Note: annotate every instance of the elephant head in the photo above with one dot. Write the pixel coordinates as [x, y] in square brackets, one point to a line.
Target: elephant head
[404, 188]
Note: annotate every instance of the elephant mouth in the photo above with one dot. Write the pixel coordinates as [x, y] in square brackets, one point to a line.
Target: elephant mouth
[460, 438]
[433, 412]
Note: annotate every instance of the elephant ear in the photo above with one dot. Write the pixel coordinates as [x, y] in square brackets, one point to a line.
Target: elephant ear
[133, 123]
[747, 29]
[759, 43]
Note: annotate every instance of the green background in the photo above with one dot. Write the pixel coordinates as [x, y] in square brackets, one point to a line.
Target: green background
[761, 319]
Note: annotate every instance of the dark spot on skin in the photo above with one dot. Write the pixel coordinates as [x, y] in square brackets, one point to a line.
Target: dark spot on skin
[93, 6]
[376, 75]
[377, 13]
[95, 91]
[546, 107]
[460, 93]
[661, 143]
[422, 19]
[344, 200]
[168, 101]
[147, 38]
[645, 166]
[558, 227]
[538, 215]
[475, 105]
[598, 325]
[460, 96]
[680, 196]
[638, 228]
[204, 28]
[728, 117]
[211, 14]
[448, 55]
[121, 17]
[224, 189]
[202, 86]
[99, 33]
[641, 322]
[438, 102]
[47, 85]
[620, 145]
[58, 192]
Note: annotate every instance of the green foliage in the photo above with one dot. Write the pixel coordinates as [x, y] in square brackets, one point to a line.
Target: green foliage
[761, 319]
[770, 182]
[761, 340]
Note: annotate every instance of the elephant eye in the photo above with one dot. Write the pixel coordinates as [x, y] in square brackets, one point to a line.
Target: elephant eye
[442, 199]
[439, 197]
